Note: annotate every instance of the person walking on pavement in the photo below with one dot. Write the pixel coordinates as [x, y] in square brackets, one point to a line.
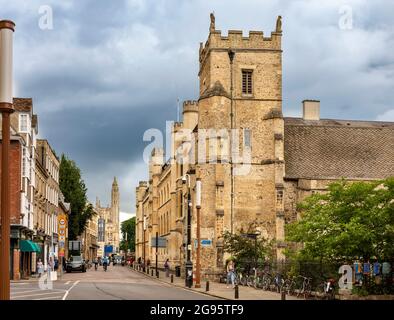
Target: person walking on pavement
[231, 273]
[40, 267]
[167, 268]
[105, 263]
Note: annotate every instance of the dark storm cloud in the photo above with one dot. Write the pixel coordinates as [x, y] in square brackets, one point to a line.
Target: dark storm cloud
[109, 70]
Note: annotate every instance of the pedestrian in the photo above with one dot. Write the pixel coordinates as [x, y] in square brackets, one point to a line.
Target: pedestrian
[40, 267]
[56, 264]
[231, 273]
[167, 268]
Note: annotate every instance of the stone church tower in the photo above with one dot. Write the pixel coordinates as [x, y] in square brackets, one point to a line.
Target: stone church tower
[108, 232]
[241, 89]
[115, 211]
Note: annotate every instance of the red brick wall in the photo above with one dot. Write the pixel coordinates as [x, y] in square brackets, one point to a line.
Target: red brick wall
[15, 179]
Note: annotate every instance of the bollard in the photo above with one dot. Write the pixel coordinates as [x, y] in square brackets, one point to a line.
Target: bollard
[172, 278]
[283, 295]
[157, 274]
[151, 272]
[207, 286]
[236, 292]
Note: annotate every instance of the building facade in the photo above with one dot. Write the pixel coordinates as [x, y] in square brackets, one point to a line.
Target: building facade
[24, 129]
[108, 222]
[47, 201]
[254, 164]
[89, 239]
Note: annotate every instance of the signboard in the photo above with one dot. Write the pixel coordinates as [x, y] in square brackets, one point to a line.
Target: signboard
[204, 243]
[108, 249]
[61, 226]
[162, 242]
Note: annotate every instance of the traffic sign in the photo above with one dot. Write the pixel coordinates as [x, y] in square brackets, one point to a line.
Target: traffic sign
[162, 242]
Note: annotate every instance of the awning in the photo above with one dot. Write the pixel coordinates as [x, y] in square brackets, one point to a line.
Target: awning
[29, 246]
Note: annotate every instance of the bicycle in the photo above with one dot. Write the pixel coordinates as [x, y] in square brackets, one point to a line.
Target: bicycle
[266, 281]
[326, 290]
[306, 288]
[289, 286]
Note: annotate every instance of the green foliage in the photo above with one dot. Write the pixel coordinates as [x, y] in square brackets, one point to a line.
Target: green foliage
[360, 291]
[352, 220]
[128, 227]
[246, 251]
[74, 191]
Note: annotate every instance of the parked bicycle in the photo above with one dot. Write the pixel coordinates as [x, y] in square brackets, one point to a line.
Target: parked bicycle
[305, 288]
[326, 290]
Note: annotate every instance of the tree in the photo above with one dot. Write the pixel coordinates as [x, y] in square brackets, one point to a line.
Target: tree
[74, 191]
[352, 220]
[128, 228]
[245, 249]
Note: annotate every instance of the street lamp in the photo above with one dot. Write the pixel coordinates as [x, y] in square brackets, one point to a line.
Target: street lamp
[198, 207]
[189, 264]
[6, 108]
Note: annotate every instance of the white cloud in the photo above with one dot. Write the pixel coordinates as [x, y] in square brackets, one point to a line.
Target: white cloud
[387, 116]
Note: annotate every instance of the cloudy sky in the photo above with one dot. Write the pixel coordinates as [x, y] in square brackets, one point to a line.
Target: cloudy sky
[106, 71]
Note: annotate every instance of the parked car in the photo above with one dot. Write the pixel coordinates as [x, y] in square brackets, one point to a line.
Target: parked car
[76, 263]
[117, 260]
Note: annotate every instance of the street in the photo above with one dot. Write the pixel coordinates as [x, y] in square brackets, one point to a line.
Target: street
[118, 283]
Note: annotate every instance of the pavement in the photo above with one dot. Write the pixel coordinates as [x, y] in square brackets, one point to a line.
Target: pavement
[218, 290]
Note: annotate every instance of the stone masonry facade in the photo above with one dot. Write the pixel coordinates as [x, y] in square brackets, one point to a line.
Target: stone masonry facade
[278, 162]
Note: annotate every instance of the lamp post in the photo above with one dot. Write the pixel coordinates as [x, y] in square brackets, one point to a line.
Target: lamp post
[189, 264]
[198, 207]
[6, 108]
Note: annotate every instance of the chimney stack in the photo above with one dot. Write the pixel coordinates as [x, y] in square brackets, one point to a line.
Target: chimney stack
[311, 110]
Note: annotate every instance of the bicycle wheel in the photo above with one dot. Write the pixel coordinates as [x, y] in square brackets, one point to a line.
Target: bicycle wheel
[250, 281]
[320, 291]
[243, 280]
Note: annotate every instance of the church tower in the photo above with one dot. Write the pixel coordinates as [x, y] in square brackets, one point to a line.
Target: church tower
[115, 211]
[241, 92]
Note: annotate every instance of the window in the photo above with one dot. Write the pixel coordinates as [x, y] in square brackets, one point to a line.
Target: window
[279, 197]
[247, 136]
[247, 84]
[23, 122]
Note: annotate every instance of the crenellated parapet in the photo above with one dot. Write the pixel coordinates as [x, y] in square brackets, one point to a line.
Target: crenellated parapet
[190, 106]
[235, 40]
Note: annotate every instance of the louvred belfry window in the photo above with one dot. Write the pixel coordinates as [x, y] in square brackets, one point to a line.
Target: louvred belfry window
[247, 84]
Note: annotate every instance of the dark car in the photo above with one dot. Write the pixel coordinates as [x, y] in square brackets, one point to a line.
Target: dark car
[76, 263]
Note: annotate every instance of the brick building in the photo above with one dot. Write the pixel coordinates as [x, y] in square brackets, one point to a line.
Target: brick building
[254, 164]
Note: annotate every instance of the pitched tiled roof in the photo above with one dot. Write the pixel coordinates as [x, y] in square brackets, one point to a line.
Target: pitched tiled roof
[338, 148]
[23, 104]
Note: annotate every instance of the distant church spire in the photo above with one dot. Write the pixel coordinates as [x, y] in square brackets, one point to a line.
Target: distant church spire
[115, 201]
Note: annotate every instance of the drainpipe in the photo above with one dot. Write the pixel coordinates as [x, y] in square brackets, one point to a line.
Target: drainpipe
[231, 55]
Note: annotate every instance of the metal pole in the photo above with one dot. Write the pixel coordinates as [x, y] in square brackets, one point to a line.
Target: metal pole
[188, 225]
[198, 207]
[157, 246]
[6, 108]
